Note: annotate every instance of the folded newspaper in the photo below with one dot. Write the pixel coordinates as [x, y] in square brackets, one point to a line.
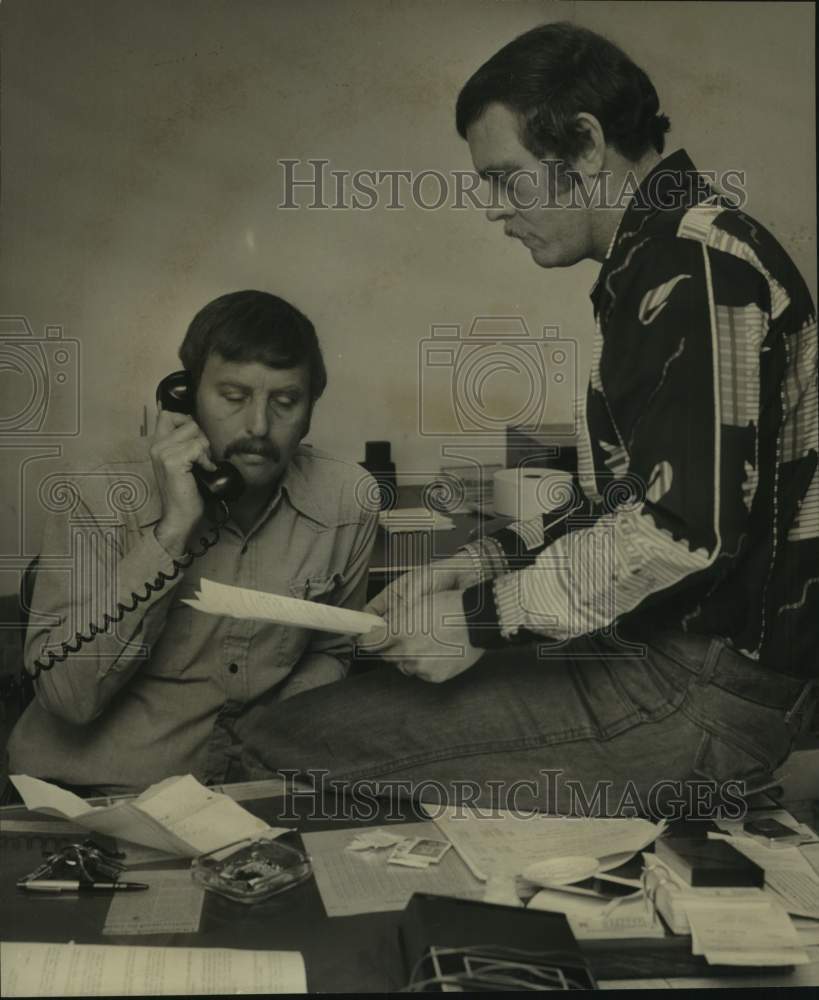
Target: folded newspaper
[178, 815]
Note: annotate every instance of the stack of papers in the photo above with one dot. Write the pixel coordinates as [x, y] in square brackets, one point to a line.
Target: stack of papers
[672, 894]
[178, 815]
[241, 602]
[743, 933]
[741, 925]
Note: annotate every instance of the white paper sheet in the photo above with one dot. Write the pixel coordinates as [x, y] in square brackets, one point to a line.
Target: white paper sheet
[101, 970]
[744, 934]
[788, 873]
[173, 905]
[177, 816]
[808, 931]
[739, 927]
[811, 853]
[241, 602]
[508, 842]
[199, 816]
[352, 882]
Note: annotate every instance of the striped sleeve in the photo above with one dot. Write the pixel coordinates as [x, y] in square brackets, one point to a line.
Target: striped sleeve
[517, 545]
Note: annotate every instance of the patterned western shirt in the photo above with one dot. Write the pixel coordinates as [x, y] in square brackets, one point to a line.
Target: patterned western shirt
[696, 502]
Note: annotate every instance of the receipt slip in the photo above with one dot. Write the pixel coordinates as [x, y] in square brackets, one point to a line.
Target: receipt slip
[420, 852]
[744, 934]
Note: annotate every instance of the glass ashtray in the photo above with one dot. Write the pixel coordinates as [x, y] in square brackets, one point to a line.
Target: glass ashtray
[250, 871]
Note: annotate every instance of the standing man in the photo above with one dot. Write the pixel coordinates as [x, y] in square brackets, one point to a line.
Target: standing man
[664, 630]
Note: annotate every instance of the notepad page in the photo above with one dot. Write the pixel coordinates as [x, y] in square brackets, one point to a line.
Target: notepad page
[199, 816]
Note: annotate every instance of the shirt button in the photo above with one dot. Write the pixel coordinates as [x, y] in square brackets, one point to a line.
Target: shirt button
[234, 668]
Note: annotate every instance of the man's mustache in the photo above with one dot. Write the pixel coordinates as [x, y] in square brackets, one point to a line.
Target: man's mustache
[251, 447]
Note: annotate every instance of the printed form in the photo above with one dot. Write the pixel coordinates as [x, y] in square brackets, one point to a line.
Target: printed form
[101, 970]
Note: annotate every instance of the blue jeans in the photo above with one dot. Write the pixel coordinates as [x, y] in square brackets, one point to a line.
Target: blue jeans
[591, 730]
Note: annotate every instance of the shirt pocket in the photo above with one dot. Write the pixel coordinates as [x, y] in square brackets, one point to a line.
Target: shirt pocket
[315, 588]
[294, 640]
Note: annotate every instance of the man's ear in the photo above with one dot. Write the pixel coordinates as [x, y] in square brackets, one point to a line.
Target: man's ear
[308, 422]
[593, 157]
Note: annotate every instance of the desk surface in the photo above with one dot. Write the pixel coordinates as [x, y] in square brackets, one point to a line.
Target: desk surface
[357, 954]
[397, 552]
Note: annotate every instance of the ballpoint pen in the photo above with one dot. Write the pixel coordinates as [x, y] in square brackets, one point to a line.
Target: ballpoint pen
[74, 885]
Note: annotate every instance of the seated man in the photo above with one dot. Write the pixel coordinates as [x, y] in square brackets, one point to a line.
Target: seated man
[664, 633]
[168, 690]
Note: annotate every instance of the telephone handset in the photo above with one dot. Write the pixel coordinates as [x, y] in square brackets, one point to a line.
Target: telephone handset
[175, 392]
[222, 486]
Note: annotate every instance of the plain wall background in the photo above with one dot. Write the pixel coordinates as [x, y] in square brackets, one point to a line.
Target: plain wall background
[140, 142]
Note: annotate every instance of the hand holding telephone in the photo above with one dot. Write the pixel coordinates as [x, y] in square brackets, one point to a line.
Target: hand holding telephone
[223, 485]
[176, 393]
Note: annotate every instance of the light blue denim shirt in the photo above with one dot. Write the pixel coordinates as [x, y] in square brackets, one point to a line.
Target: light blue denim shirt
[171, 689]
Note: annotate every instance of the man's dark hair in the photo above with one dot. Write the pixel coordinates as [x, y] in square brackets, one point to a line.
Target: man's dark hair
[552, 73]
[254, 326]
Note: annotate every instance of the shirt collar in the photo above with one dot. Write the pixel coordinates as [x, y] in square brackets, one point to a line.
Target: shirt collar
[661, 186]
[296, 486]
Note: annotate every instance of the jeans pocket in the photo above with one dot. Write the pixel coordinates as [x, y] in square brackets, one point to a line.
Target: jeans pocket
[648, 689]
[741, 739]
[720, 759]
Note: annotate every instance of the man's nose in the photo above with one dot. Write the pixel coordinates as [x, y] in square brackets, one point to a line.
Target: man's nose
[258, 419]
[500, 210]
